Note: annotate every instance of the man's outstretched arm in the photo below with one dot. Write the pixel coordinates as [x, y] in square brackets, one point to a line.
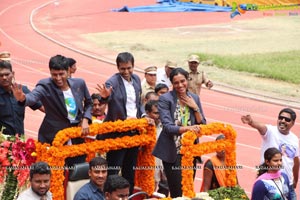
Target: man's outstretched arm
[247, 119]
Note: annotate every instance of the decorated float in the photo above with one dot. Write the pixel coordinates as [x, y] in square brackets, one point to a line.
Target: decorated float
[17, 155]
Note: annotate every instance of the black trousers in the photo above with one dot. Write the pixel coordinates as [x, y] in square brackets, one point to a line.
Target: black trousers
[124, 159]
[78, 159]
[174, 176]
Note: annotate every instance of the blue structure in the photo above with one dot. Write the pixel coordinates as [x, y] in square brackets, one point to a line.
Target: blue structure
[175, 6]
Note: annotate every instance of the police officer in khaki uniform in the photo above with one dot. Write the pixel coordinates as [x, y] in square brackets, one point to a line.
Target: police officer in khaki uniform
[196, 77]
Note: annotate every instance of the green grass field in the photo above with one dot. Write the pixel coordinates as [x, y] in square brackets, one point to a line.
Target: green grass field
[284, 66]
[261, 55]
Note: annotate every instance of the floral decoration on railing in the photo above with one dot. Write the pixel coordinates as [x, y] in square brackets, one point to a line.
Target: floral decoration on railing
[19, 155]
[55, 155]
[16, 157]
[189, 150]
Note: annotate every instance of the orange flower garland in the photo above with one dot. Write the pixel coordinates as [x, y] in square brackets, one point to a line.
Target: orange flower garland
[56, 154]
[145, 162]
[189, 150]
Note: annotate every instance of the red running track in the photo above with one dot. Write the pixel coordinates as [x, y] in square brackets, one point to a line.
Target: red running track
[65, 20]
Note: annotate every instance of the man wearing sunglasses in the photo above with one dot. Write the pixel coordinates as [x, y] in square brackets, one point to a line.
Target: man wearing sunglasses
[282, 138]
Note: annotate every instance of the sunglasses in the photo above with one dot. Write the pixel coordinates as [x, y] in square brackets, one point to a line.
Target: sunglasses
[285, 118]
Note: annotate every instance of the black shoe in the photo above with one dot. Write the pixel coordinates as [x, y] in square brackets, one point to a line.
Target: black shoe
[163, 187]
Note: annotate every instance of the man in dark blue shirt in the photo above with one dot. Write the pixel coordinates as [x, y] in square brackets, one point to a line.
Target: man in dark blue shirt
[12, 113]
[116, 188]
[93, 190]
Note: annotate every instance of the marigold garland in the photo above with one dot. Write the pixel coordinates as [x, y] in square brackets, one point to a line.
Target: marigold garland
[145, 163]
[189, 150]
[56, 154]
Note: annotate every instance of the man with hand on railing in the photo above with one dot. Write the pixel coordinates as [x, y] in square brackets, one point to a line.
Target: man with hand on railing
[67, 103]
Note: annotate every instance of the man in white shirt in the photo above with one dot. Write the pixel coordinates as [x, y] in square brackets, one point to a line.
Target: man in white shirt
[67, 103]
[163, 74]
[122, 93]
[282, 138]
[40, 175]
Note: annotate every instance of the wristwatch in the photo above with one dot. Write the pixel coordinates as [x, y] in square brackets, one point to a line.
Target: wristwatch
[197, 110]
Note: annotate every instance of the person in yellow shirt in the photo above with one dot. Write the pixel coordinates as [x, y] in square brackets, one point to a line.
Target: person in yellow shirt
[98, 109]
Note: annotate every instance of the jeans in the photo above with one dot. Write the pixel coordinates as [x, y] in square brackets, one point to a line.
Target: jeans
[293, 193]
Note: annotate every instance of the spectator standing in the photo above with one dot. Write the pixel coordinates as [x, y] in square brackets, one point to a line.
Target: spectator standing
[116, 188]
[148, 84]
[93, 190]
[98, 110]
[12, 113]
[280, 136]
[163, 73]
[150, 96]
[196, 77]
[40, 175]
[161, 88]
[180, 111]
[67, 103]
[122, 92]
[161, 184]
[271, 183]
[72, 67]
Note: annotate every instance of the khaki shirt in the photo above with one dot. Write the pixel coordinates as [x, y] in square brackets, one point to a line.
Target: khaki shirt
[145, 89]
[195, 81]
